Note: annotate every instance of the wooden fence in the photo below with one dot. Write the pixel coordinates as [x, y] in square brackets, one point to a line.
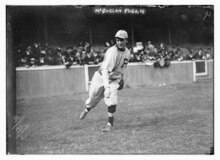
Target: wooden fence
[144, 75]
[49, 81]
[56, 80]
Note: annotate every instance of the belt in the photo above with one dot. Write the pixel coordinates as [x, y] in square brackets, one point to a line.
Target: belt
[113, 79]
[100, 72]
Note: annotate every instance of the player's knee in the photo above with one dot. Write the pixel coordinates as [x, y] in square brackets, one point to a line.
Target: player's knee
[112, 109]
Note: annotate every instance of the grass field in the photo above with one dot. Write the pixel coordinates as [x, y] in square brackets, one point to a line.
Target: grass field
[174, 119]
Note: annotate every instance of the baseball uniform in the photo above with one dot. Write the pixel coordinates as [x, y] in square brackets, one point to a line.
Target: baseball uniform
[105, 82]
[114, 63]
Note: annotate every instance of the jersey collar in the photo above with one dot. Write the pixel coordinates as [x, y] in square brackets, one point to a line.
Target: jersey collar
[120, 49]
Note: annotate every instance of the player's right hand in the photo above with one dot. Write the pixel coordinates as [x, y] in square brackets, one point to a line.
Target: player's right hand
[107, 92]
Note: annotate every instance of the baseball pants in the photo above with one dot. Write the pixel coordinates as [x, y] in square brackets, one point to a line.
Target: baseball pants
[96, 92]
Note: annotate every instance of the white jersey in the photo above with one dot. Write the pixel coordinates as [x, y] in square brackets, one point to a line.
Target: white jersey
[115, 61]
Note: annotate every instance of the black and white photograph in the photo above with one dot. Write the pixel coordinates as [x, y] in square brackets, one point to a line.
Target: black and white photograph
[110, 79]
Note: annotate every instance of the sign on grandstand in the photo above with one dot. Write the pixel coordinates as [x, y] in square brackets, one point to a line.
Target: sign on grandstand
[118, 10]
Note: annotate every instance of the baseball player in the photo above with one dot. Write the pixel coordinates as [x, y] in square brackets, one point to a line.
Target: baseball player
[109, 79]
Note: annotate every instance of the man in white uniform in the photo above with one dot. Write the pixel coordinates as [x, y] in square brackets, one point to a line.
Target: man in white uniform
[109, 78]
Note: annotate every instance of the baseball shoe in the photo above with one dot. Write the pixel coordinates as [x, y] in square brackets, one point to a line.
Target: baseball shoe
[107, 128]
[83, 114]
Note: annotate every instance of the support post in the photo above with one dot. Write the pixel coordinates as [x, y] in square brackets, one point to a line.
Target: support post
[10, 87]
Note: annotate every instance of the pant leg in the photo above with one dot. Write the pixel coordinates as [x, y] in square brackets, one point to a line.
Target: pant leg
[113, 99]
[96, 91]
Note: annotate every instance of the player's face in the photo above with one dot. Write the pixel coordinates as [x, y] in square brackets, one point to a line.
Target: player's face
[121, 43]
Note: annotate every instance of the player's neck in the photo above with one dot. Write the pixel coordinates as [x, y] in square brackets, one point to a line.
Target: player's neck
[120, 49]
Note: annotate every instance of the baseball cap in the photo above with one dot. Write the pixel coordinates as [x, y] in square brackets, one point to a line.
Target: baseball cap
[121, 34]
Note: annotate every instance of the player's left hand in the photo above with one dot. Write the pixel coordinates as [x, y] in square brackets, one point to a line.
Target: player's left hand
[107, 92]
[121, 84]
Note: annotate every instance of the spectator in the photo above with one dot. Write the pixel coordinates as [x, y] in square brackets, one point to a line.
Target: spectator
[199, 54]
[72, 56]
[151, 48]
[112, 43]
[29, 52]
[89, 59]
[102, 56]
[144, 58]
[33, 62]
[162, 50]
[83, 56]
[139, 46]
[87, 47]
[23, 61]
[50, 57]
[41, 60]
[77, 58]
[66, 59]
[190, 56]
[58, 57]
[208, 54]
[107, 44]
[97, 57]
[149, 55]
[36, 49]
[137, 57]
[31, 58]
[19, 53]
[132, 56]
[80, 44]
[171, 54]
[177, 53]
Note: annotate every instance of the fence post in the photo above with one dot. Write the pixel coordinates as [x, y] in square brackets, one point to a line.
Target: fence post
[194, 71]
[86, 70]
[11, 88]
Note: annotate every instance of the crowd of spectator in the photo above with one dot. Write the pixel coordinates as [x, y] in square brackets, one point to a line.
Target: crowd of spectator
[38, 55]
[160, 55]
